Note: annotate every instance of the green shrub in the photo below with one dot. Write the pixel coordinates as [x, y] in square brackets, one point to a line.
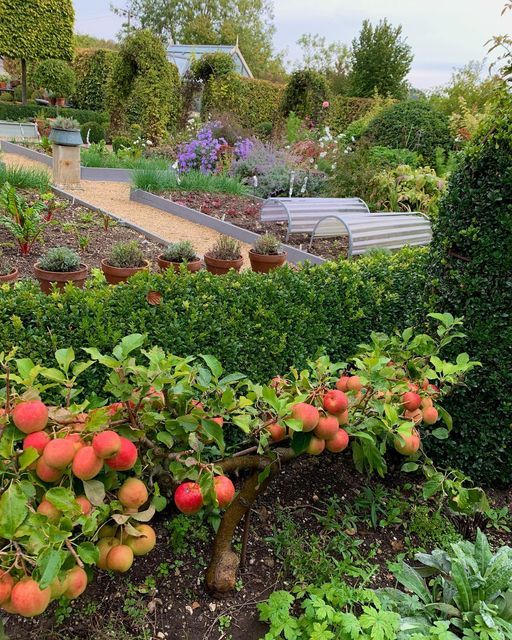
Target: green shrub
[212, 64]
[304, 94]
[6, 97]
[471, 263]
[20, 113]
[251, 101]
[343, 111]
[92, 132]
[264, 129]
[144, 87]
[386, 158]
[354, 174]
[118, 142]
[56, 76]
[414, 125]
[257, 325]
[92, 68]
[60, 260]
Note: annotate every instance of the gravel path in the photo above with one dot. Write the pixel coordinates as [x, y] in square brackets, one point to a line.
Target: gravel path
[115, 198]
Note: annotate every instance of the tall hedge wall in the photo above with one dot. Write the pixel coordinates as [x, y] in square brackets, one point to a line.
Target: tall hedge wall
[251, 101]
[92, 68]
[256, 324]
[343, 111]
[471, 273]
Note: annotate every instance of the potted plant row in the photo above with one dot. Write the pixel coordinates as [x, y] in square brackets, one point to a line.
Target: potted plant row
[59, 266]
[267, 254]
[125, 260]
[177, 254]
[5, 78]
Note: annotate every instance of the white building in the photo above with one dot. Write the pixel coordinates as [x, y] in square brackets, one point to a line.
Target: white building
[183, 55]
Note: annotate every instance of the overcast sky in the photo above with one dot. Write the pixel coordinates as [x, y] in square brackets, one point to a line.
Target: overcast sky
[444, 34]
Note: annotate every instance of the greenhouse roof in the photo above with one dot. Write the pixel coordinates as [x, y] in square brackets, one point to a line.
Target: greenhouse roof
[184, 54]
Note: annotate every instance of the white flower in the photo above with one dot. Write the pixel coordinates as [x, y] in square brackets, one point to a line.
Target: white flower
[323, 154]
[148, 142]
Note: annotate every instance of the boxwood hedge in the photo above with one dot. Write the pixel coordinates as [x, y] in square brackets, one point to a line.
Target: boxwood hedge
[22, 113]
[471, 272]
[260, 325]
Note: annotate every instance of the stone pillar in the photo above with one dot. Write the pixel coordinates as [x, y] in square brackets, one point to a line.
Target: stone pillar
[66, 166]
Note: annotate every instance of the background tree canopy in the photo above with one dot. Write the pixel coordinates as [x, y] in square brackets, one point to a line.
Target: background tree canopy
[213, 22]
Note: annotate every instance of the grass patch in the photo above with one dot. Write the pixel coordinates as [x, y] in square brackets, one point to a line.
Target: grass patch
[161, 181]
[24, 178]
[107, 159]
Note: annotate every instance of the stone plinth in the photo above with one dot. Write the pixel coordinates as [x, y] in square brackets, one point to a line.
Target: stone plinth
[66, 166]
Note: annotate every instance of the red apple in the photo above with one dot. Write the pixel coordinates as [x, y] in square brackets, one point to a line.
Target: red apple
[411, 400]
[224, 490]
[338, 443]
[326, 428]
[307, 414]
[188, 497]
[335, 401]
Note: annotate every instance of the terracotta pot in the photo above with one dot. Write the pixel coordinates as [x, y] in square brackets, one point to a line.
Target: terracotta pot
[10, 277]
[53, 101]
[47, 278]
[191, 266]
[115, 275]
[3, 85]
[220, 267]
[60, 102]
[265, 263]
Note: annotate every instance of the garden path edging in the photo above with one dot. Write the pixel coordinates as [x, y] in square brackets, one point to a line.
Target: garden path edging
[226, 228]
[74, 200]
[98, 174]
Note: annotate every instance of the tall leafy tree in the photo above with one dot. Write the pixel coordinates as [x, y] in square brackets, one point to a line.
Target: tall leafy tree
[36, 30]
[381, 60]
[332, 60]
[250, 22]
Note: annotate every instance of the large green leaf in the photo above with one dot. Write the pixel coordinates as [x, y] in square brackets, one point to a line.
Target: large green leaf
[49, 563]
[411, 579]
[13, 510]
[465, 596]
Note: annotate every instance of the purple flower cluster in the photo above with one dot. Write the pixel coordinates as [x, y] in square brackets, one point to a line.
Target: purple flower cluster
[202, 152]
[243, 148]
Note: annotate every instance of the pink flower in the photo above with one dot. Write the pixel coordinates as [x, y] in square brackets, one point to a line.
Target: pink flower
[325, 104]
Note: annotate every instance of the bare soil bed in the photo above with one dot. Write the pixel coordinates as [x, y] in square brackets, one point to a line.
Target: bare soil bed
[244, 212]
[87, 232]
[163, 597]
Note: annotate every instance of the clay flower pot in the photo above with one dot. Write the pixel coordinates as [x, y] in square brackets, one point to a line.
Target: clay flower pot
[115, 275]
[265, 263]
[60, 278]
[60, 102]
[10, 277]
[193, 266]
[220, 267]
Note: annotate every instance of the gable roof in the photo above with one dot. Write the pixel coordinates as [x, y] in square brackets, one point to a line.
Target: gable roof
[184, 54]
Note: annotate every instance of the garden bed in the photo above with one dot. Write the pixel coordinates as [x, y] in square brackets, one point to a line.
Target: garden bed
[87, 232]
[163, 597]
[244, 212]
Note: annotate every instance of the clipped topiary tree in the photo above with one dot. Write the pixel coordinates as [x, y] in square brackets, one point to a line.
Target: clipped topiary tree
[212, 64]
[36, 30]
[471, 267]
[144, 87]
[304, 94]
[92, 68]
[56, 77]
[414, 125]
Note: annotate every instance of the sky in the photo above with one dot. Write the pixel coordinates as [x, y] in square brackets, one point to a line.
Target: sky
[443, 34]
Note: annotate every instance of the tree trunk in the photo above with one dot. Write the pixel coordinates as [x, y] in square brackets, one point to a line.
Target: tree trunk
[24, 81]
[222, 570]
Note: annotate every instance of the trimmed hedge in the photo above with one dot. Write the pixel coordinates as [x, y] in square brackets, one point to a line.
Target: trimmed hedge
[471, 267]
[144, 87]
[414, 125]
[20, 113]
[305, 93]
[343, 111]
[92, 68]
[258, 324]
[251, 101]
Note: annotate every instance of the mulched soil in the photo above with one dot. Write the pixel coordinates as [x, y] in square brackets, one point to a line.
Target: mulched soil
[244, 212]
[79, 229]
[121, 607]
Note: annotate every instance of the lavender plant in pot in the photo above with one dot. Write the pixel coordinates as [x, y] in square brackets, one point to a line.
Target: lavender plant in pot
[224, 255]
[267, 254]
[59, 266]
[8, 273]
[125, 260]
[178, 253]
